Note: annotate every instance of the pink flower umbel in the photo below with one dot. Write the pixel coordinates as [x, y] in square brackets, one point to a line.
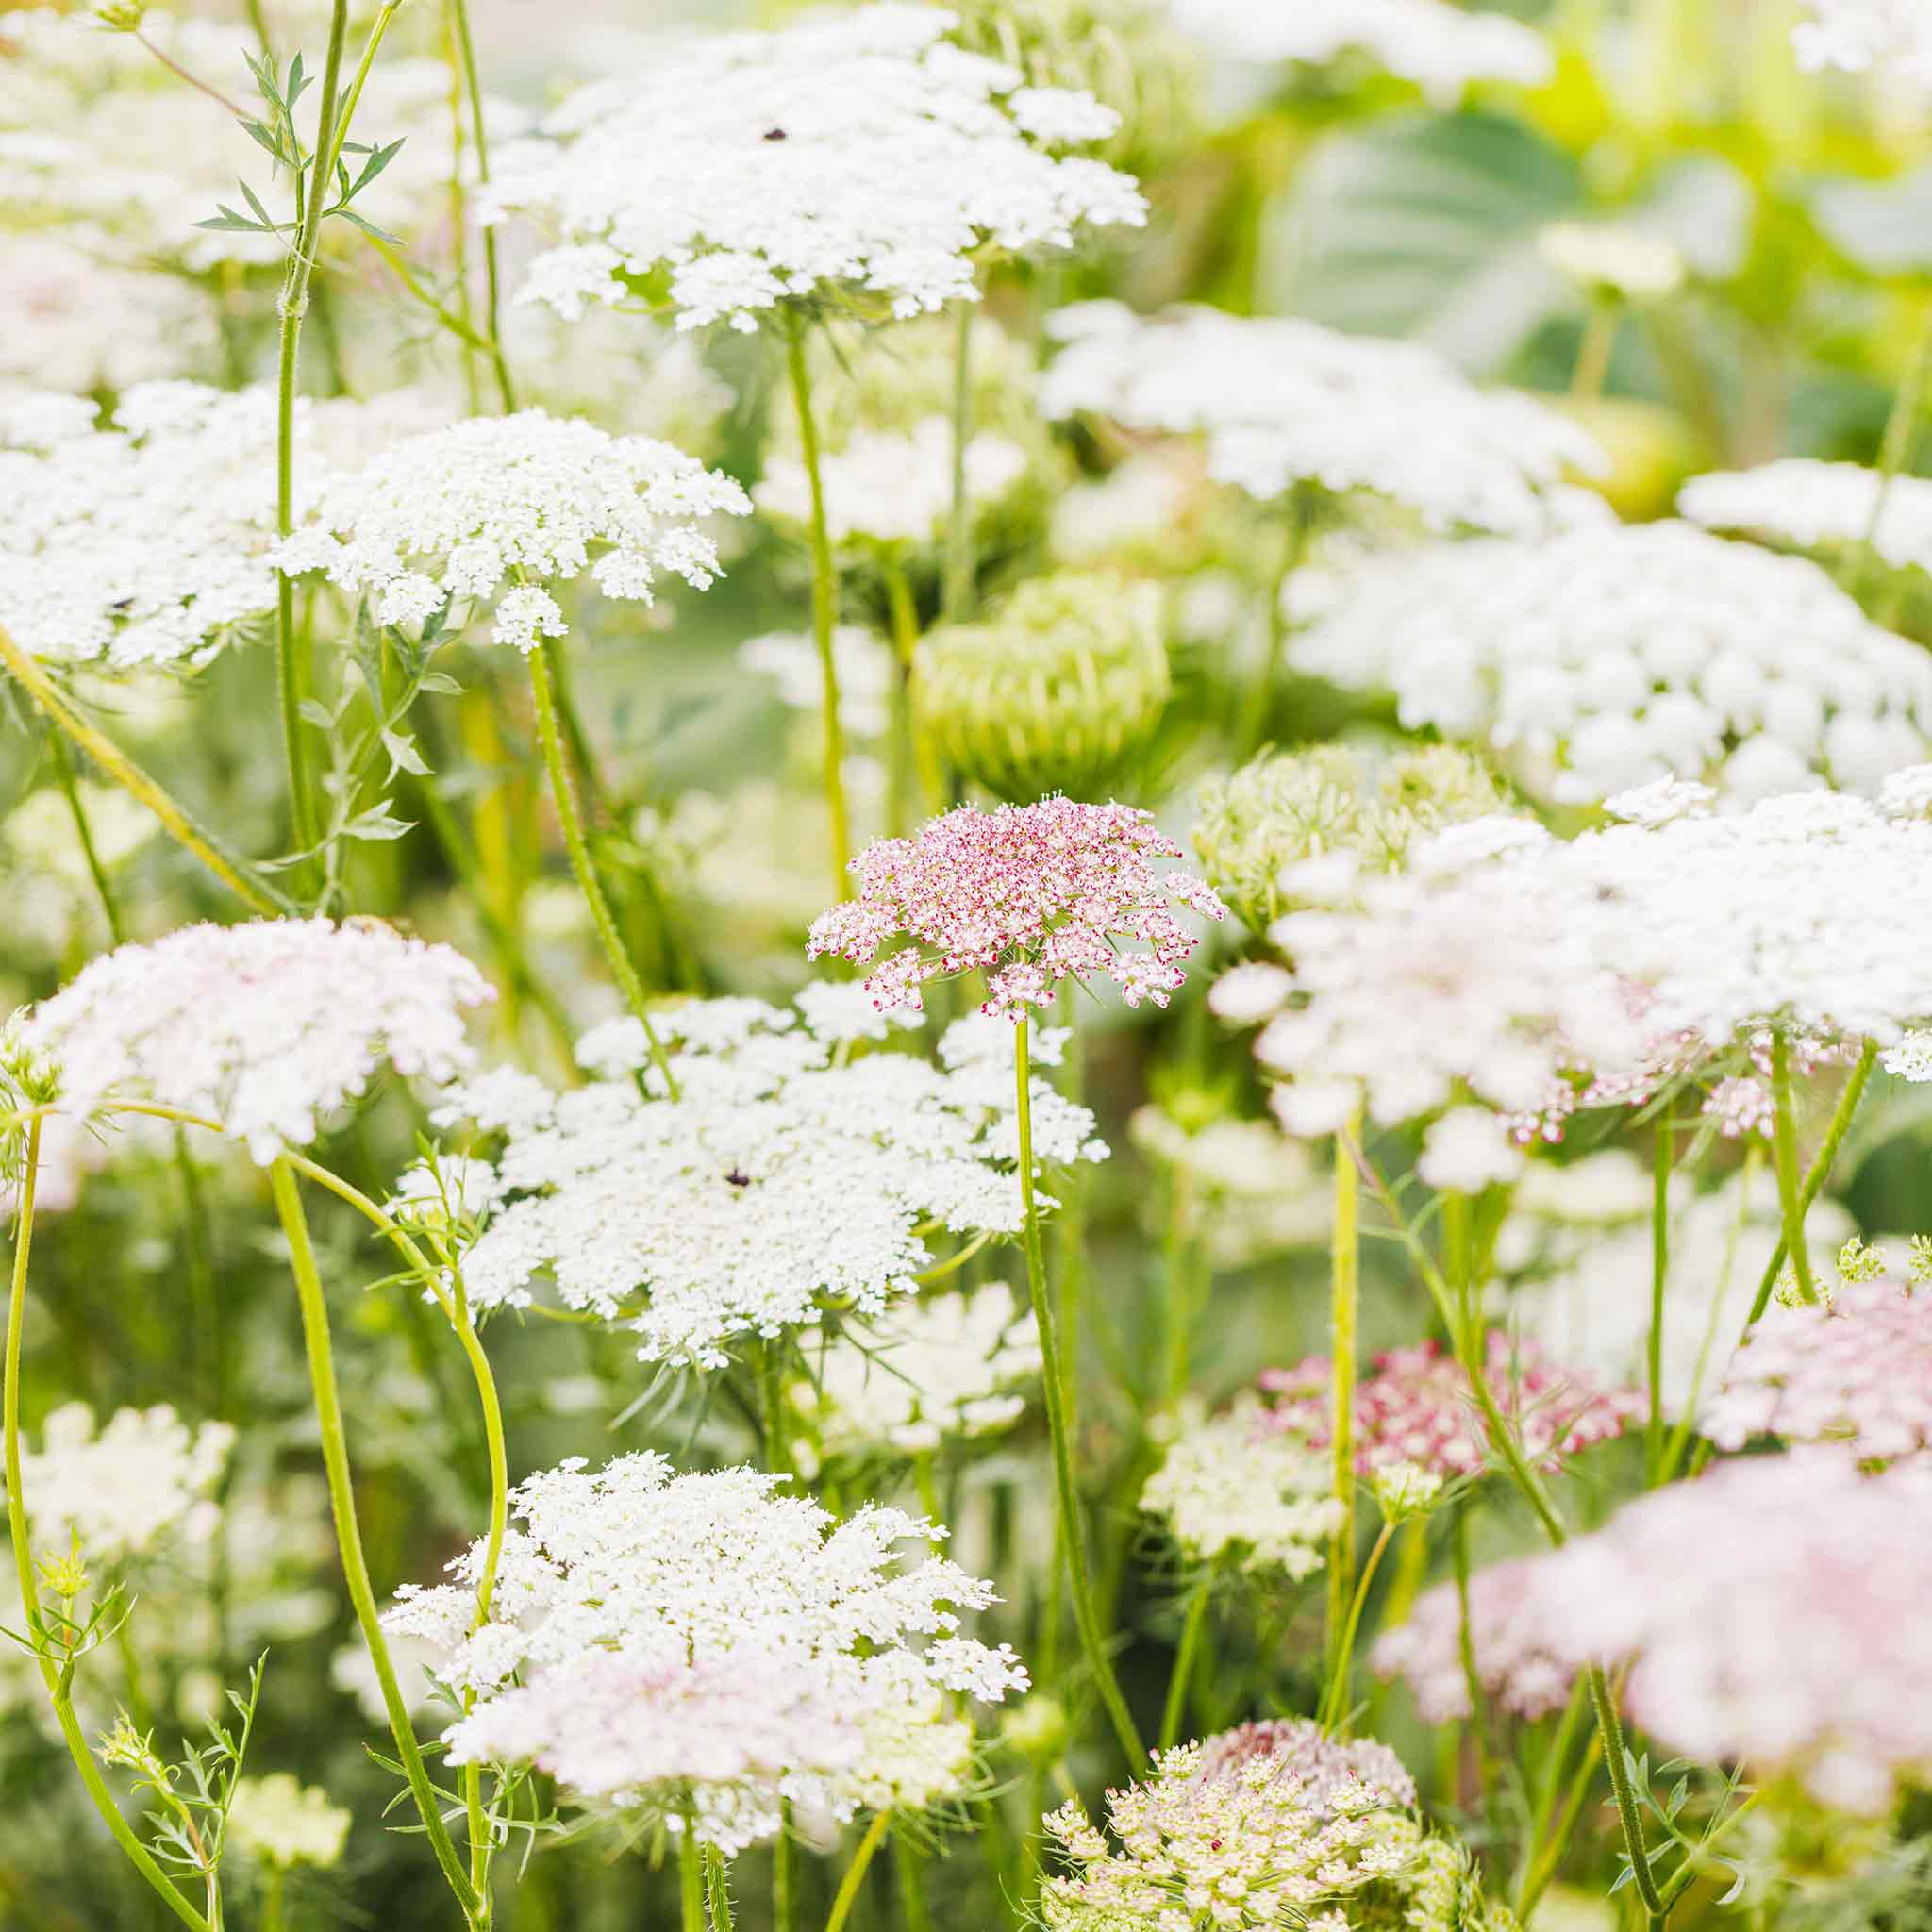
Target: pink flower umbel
[1031, 894]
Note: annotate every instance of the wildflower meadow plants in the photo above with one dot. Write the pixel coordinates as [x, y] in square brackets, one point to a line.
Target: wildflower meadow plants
[966, 967]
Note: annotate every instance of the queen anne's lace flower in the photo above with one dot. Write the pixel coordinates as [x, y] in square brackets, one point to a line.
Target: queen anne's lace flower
[285, 1822]
[144, 1482]
[267, 1027]
[950, 1365]
[779, 1184]
[1326, 1767]
[146, 542]
[1834, 508]
[1867, 37]
[1030, 894]
[619, 1579]
[1284, 403]
[1418, 1407]
[461, 515]
[863, 156]
[1229, 1488]
[1856, 1370]
[1443, 49]
[1600, 660]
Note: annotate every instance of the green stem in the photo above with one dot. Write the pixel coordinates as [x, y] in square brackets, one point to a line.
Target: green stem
[957, 594]
[783, 1886]
[1301, 517]
[1895, 449]
[1612, 1732]
[1465, 1645]
[271, 1901]
[1785, 1151]
[718, 1890]
[1335, 1704]
[54, 1678]
[1176, 1705]
[1663, 1152]
[63, 775]
[564, 794]
[824, 596]
[491, 291]
[691, 1878]
[335, 1456]
[1345, 1295]
[913, 1914]
[1537, 1879]
[1593, 354]
[179, 825]
[1046, 1320]
[855, 1872]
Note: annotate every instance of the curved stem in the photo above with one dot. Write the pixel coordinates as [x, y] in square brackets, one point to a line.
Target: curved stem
[64, 777]
[1612, 1732]
[1184, 1655]
[52, 1677]
[1785, 1150]
[179, 825]
[1335, 1706]
[335, 1455]
[1344, 1293]
[855, 1872]
[957, 593]
[824, 596]
[1663, 1151]
[569, 818]
[1894, 451]
[1046, 1320]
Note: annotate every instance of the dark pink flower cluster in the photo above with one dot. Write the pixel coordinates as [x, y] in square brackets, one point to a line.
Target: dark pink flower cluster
[1029, 894]
[1418, 1406]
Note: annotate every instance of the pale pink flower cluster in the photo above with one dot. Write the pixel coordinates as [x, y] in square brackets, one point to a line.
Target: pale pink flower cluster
[1325, 1765]
[1031, 895]
[1858, 1370]
[1418, 1407]
[1522, 1667]
[267, 1027]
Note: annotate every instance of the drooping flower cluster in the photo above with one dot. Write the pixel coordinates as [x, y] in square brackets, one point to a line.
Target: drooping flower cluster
[619, 1581]
[949, 1366]
[142, 1484]
[1857, 1369]
[1230, 1489]
[1029, 894]
[1605, 659]
[1833, 507]
[1285, 403]
[1866, 37]
[863, 159]
[1418, 1407]
[267, 1027]
[146, 542]
[777, 1185]
[1443, 49]
[502, 507]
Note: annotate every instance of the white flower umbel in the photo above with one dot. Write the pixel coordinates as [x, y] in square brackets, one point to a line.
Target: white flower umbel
[1443, 49]
[662, 1571]
[145, 540]
[1230, 1490]
[861, 158]
[1834, 508]
[284, 1823]
[1867, 37]
[268, 1028]
[502, 507]
[866, 674]
[952, 1365]
[144, 1483]
[780, 1183]
[1284, 403]
[1602, 659]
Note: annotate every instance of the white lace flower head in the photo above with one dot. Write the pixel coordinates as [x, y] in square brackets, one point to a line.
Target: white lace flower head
[505, 507]
[616, 1579]
[1866, 37]
[1602, 659]
[1833, 507]
[1283, 402]
[786, 1180]
[267, 1027]
[858, 159]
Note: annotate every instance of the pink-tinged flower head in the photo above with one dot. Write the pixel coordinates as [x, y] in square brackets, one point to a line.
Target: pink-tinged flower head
[1029, 894]
[1419, 1407]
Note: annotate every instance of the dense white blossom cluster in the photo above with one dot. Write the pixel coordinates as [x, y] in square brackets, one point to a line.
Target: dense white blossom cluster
[785, 1180]
[145, 540]
[1605, 659]
[266, 1028]
[1867, 37]
[144, 1483]
[1284, 403]
[503, 507]
[863, 156]
[949, 1366]
[1231, 1489]
[1817, 506]
[617, 1581]
[1443, 49]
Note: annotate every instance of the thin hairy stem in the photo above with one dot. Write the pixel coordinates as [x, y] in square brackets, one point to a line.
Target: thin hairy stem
[1344, 1295]
[1182, 1676]
[1335, 1704]
[1046, 1318]
[480, 133]
[1612, 1732]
